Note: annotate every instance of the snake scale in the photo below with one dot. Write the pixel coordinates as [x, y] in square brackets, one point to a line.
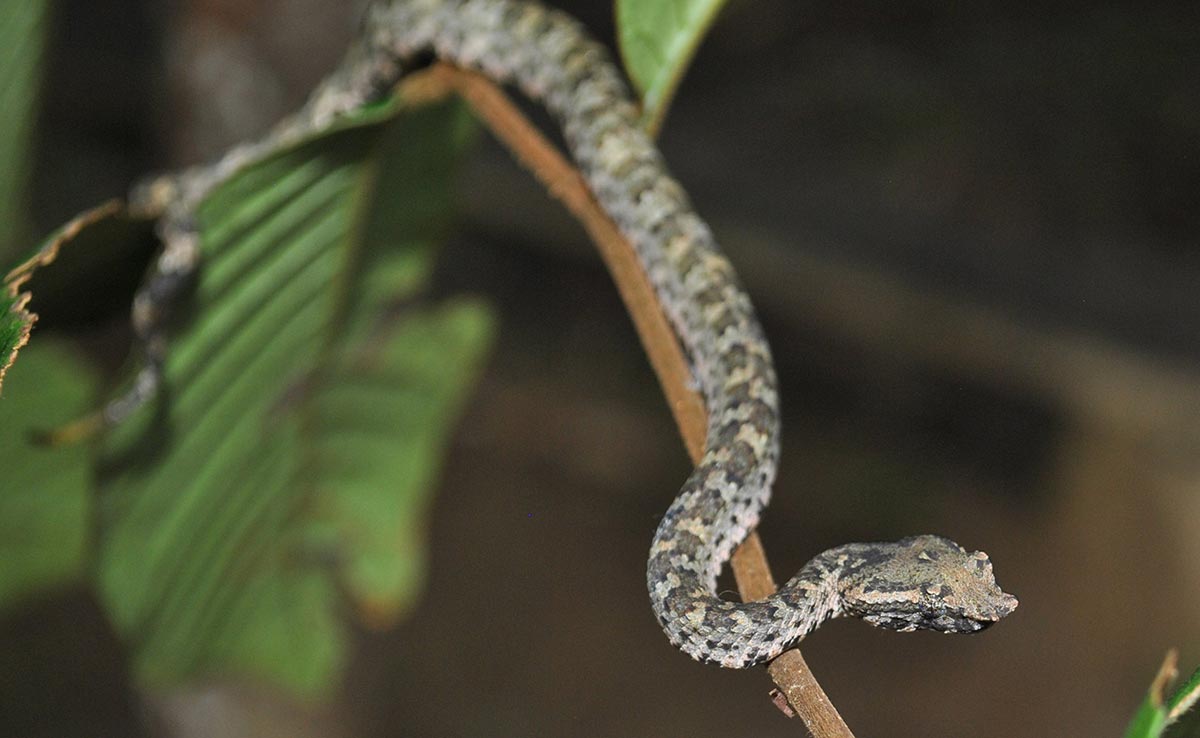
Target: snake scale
[924, 582]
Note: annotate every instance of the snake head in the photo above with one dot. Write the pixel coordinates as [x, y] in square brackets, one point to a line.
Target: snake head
[924, 583]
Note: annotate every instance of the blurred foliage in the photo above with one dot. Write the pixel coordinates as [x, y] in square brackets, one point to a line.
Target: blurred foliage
[290, 458]
[657, 41]
[22, 37]
[1159, 714]
[13, 325]
[44, 504]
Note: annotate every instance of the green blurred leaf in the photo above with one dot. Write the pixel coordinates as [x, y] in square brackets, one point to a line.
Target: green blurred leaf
[1157, 713]
[658, 39]
[1148, 721]
[14, 330]
[22, 36]
[282, 455]
[44, 498]
[1182, 717]
[392, 389]
[384, 415]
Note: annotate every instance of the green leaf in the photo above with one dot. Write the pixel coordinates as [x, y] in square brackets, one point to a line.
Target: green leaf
[15, 324]
[1180, 708]
[392, 390]
[658, 39]
[44, 499]
[1148, 722]
[22, 36]
[281, 465]
[1157, 713]
[384, 414]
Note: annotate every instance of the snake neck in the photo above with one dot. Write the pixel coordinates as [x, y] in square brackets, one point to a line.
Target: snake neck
[743, 634]
[917, 583]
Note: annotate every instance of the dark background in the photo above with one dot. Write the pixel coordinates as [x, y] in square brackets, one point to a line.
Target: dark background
[971, 234]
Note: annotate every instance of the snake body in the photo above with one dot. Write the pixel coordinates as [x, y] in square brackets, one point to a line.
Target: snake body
[922, 582]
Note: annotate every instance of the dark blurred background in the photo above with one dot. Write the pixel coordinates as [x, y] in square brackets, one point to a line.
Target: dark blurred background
[971, 234]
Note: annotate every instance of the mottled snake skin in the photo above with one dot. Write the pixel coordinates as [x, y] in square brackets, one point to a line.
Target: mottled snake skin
[923, 582]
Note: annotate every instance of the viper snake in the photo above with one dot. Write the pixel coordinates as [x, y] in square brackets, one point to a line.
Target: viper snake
[923, 582]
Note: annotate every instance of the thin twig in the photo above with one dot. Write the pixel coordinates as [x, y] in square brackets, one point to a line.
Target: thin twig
[564, 182]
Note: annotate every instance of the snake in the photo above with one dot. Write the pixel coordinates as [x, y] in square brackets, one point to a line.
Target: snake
[922, 582]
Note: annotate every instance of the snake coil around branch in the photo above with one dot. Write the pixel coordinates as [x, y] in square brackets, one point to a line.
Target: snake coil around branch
[923, 582]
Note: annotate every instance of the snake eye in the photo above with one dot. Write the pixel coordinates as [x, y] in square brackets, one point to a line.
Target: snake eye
[940, 591]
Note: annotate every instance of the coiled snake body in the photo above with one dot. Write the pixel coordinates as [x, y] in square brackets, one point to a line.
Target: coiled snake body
[923, 582]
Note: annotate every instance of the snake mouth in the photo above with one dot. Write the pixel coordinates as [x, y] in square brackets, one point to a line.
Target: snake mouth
[975, 619]
[993, 610]
[909, 617]
[1006, 604]
[921, 620]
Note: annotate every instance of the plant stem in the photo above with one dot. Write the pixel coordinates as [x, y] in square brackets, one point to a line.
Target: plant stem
[563, 181]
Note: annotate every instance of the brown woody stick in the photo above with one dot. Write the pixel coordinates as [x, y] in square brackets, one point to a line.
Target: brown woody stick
[789, 671]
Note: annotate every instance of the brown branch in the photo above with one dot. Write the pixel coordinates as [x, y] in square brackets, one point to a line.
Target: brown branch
[564, 182]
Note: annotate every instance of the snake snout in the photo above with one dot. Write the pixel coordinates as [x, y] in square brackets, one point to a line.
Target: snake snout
[990, 603]
[1004, 605]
